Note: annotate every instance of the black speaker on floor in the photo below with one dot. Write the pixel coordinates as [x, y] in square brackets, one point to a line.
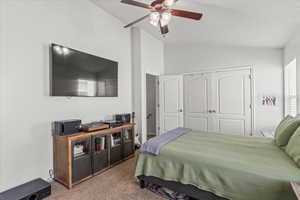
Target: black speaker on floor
[34, 190]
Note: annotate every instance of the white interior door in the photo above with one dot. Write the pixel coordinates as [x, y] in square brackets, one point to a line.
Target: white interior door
[171, 102]
[197, 100]
[232, 109]
[151, 87]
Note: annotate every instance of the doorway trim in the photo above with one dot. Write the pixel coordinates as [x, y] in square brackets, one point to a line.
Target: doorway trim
[144, 105]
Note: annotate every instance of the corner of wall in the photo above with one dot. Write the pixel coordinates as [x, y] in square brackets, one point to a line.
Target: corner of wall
[147, 57]
[136, 78]
[164, 61]
[291, 52]
[1, 90]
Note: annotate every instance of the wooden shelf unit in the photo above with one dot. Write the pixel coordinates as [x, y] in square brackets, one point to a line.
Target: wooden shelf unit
[70, 170]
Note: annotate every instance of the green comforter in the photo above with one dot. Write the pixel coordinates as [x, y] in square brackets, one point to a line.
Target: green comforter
[234, 167]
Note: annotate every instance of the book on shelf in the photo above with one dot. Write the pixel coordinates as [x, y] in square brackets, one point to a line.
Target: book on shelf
[79, 154]
[112, 141]
[126, 135]
[115, 140]
[78, 149]
[99, 144]
[102, 143]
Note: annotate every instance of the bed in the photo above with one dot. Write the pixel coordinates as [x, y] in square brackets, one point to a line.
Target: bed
[218, 166]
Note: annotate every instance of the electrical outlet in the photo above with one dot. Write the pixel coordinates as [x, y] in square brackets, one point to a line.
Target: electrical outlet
[49, 180]
[51, 174]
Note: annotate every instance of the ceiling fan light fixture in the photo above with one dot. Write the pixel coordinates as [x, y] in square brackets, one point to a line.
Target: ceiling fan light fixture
[165, 18]
[154, 18]
[161, 13]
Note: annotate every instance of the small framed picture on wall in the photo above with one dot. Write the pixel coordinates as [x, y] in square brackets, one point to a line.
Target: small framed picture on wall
[269, 101]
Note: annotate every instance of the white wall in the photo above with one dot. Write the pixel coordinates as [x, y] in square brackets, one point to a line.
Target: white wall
[291, 52]
[1, 91]
[267, 65]
[30, 26]
[151, 60]
[136, 78]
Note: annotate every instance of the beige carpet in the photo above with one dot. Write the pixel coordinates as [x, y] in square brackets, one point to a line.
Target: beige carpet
[117, 183]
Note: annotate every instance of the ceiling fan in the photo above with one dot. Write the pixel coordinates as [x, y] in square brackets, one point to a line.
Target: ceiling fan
[161, 13]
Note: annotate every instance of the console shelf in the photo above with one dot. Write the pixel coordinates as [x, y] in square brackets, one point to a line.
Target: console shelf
[81, 156]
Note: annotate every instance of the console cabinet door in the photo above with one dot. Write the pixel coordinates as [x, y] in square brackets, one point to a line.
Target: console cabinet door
[128, 142]
[116, 147]
[100, 147]
[82, 161]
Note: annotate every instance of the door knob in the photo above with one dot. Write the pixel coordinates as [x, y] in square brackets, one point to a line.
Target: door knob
[149, 116]
[180, 110]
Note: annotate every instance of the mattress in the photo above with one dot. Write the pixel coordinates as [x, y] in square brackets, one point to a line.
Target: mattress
[230, 166]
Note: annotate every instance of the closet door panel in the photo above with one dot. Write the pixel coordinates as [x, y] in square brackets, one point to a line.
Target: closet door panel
[198, 123]
[197, 101]
[170, 122]
[171, 94]
[197, 95]
[231, 95]
[232, 102]
[232, 126]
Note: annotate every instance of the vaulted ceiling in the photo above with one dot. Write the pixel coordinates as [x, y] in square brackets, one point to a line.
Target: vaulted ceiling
[255, 23]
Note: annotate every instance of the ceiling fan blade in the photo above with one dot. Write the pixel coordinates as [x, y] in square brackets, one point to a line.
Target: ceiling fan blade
[136, 3]
[186, 14]
[164, 29]
[137, 21]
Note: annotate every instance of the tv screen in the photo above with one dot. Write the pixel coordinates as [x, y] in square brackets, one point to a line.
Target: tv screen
[74, 73]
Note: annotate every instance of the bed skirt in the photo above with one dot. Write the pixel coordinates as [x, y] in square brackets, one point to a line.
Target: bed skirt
[189, 190]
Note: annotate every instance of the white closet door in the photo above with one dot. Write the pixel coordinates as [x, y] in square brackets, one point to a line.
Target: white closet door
[232, 108]
[171, 102]
[197, 101]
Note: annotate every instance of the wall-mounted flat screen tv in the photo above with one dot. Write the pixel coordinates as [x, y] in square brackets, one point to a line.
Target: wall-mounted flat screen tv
[74, 73]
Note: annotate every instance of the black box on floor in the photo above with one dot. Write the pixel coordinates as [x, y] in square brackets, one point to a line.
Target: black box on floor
[34, 190]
